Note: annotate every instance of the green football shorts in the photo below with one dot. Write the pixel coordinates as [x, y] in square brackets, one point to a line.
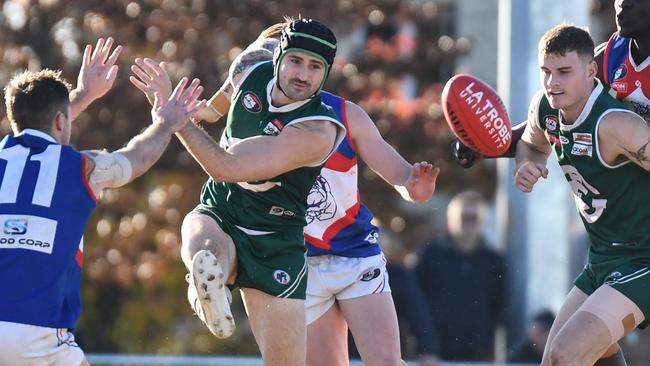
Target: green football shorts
[629, 276]
[273, 263]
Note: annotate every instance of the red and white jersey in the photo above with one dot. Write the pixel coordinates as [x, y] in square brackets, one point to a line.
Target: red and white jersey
[338, 223]
[628, 81]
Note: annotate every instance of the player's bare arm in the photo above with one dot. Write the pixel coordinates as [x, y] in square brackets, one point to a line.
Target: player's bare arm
[301, 144]
[415, 182]
[109, 170]
[532, 152]
[624, 136]
[96, 76]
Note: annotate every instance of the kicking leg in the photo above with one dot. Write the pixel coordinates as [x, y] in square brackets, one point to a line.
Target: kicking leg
[278, 325]
[209, 254]
[201, 232]
[373, 323]
[327, 339]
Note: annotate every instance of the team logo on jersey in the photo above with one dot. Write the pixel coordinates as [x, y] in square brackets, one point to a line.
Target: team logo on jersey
[282, 277]
[370, 275]
[581, 150]
[320, 201]
[620, 72]
[274, 127]
[582, 138]
[15, 226]
[551, 122]
[564, 140]
[373, 237]
[251, 102]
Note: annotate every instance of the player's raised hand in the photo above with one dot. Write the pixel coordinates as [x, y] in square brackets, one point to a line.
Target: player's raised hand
[463, 155]
[422, 181]
[151, 77]
[528, 174]
[98, 69]
[176, 111]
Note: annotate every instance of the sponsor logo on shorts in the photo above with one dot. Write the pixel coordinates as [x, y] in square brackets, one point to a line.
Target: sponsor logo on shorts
[251, 102]
[282, 277]
[281, 211]
[371, 274]
[615, 274]
[551, 122]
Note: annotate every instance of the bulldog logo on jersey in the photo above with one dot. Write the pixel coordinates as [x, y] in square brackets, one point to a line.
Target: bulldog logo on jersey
[282, 277]
[551, 122]
[320, 201]
[251, 102]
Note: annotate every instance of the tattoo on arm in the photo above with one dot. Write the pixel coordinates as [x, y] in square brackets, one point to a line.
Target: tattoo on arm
[639, 155]
[250, 59]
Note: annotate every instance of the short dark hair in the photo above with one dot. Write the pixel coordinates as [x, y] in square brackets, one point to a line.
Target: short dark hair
[33, 99]
[565, 38]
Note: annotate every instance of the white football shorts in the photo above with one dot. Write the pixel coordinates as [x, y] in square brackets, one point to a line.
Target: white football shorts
[331, 278]
[31, 345]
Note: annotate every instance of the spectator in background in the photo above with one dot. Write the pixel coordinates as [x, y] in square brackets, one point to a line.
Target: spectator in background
[532, 349]
[463, 281]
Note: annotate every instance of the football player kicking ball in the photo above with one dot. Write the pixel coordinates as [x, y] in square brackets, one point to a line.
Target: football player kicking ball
[247, 230]
[347, 281]
[601, 148]
[48, 191]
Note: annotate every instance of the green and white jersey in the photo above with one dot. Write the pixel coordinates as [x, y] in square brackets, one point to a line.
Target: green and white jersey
[613, 201]
[279, 203]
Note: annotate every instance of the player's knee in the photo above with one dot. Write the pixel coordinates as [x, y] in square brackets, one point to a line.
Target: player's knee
[562, 354]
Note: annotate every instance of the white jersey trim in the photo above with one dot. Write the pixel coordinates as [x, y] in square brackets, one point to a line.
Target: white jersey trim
[598, 142]
[585, 110]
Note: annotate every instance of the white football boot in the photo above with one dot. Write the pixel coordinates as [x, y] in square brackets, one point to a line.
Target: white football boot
[208, 294]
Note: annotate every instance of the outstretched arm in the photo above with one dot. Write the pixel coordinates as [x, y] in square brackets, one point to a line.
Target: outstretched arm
[415, 182]
[97, 75]
[466, 157]
[108, 170]
[261, 157]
